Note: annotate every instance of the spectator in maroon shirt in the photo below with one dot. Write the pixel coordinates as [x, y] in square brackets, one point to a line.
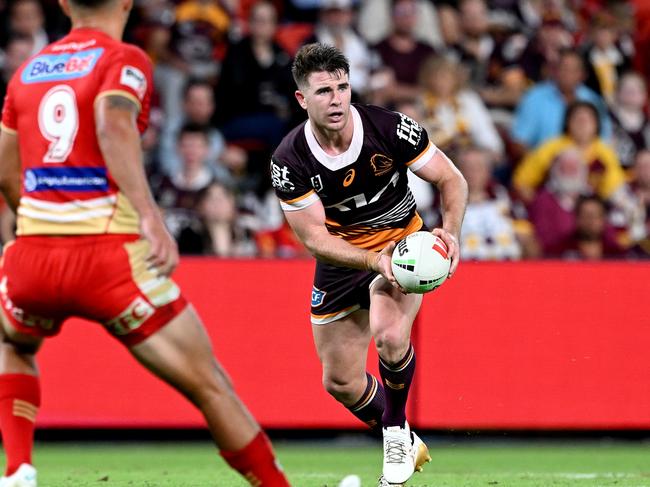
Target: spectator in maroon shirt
[552, 211]
[402, 54]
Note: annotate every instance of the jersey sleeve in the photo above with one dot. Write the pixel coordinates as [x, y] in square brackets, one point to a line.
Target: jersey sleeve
[294, 190]
[412, 145]
[128, 73]
[9, 122]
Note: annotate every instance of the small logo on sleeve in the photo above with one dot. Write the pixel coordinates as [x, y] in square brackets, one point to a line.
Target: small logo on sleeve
[317, 297]
[317, 183]
[134, 79]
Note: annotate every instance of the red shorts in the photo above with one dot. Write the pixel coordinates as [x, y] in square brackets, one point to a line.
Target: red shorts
[103, 278]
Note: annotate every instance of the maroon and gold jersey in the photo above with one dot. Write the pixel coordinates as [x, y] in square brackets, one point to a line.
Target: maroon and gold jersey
[50, 105]
[364, 190]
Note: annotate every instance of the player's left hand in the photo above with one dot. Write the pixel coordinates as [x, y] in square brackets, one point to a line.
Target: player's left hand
[453, 249]
[382, 265]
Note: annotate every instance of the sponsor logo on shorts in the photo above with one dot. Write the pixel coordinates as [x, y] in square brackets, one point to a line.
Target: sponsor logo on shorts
[134, 79]
[19, 314]
[59, 67]
[66, 179]
[132, 317]
[317, 297]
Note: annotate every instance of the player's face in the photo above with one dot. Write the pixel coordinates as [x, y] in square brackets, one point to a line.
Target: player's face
[327, 100]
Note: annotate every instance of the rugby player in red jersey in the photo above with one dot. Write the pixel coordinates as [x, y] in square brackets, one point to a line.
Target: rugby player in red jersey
[341, 180]
[91, 242]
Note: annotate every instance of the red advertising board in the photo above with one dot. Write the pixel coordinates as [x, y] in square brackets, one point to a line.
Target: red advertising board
[501, 346]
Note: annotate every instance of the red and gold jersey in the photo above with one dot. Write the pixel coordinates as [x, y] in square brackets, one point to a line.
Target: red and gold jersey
[364, 190]
[66, 187]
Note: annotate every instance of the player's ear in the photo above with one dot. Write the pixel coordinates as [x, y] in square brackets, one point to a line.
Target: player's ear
[301, 99]
[127, 5]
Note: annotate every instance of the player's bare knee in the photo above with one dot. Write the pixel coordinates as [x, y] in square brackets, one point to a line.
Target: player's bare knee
[341, 389]
[391, 346]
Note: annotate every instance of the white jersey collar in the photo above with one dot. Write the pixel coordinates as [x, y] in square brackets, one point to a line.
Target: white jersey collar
[334, 163]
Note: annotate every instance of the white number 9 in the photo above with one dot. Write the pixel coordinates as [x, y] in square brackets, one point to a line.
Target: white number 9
[58, 119]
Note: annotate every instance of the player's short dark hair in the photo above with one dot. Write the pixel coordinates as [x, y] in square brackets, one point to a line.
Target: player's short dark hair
[316, 57]
[193, 128]
[90, 3]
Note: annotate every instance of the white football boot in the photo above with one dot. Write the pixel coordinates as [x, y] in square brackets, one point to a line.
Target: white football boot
[404, 454]
[25, 476]
[384, 483]
[420, 453]
[398, 458]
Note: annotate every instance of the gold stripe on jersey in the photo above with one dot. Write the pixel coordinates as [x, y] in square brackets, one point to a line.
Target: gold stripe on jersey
[372, 239]
[8, 129]
[123, 93]
[106, 214]
[330, 317]
[295, 200]
[421, 159]
[158, 290]
[301, 202]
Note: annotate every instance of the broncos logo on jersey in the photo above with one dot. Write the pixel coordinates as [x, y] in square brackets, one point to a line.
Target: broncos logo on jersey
[381, 164]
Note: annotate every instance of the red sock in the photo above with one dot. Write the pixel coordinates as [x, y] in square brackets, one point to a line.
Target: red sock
[257, 464]
[20, 397]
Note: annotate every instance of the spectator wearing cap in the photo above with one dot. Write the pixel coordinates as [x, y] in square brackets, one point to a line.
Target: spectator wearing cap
[197, 41]
[540, 114]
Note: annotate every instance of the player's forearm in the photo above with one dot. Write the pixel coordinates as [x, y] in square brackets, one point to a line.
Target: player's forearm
[123, 156]
[10, 169]
[10, 188]
[336, 251]
[454, 194]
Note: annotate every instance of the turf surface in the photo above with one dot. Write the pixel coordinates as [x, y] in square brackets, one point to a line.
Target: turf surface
[322, 464]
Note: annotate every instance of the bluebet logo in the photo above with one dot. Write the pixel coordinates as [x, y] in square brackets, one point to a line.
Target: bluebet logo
[65, 179]
[58, 67]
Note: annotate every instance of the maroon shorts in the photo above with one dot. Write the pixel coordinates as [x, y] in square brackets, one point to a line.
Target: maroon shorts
[102, 278]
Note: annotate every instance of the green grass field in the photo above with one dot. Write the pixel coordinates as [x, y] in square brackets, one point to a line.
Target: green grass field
[323, 464]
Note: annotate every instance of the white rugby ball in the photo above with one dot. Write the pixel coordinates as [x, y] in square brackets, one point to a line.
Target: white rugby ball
[420, 262]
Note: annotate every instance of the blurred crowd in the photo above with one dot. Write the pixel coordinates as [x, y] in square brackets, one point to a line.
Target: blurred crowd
[542, 104]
